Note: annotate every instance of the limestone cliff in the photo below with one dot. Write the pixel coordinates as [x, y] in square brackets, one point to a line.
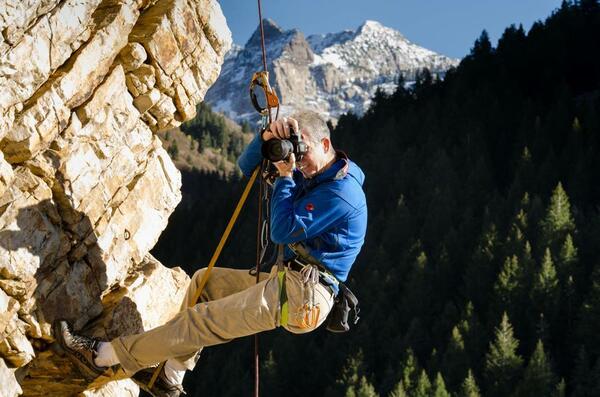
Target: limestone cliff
[85, 185]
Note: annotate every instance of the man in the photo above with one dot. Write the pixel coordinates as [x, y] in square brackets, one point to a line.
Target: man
[318, 203]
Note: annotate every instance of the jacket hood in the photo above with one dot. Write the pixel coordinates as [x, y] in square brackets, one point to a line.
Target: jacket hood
[341, 168]
[355, 172]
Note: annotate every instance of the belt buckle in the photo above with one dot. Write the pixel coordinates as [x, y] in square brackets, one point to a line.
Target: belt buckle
[296, 261]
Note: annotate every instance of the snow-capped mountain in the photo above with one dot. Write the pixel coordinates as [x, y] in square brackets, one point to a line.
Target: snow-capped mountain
[332, 74]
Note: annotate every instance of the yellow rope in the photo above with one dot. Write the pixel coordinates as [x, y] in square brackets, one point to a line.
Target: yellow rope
[215, 256]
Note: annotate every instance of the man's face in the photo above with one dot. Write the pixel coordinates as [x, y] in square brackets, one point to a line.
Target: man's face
[315, 159]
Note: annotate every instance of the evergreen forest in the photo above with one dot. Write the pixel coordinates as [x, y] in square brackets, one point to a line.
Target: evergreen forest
[480, 275]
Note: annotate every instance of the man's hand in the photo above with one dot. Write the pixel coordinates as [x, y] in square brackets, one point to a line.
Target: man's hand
[286, 167]
[280, 129]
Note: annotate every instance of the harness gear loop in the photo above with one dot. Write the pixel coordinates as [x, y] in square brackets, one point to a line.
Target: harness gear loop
[310, 311]
[215, 256]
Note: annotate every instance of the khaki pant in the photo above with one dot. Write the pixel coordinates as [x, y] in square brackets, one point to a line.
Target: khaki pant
[232, 305]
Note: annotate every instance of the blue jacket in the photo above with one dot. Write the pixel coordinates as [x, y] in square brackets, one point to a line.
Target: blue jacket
[328, 213]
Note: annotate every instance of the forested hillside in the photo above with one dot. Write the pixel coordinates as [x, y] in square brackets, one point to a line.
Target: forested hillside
[209, 143]
[480, 275]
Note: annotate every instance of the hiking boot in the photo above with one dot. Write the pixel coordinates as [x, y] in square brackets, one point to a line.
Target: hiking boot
[162, 387]
[80, 349]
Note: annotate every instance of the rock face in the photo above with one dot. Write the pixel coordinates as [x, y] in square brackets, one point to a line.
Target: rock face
[85, 185]
[331, 74]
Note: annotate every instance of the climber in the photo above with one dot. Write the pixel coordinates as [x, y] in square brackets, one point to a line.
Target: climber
[317, 203]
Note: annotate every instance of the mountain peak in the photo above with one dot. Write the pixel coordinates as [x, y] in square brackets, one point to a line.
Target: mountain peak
[269, 23]
[370, 24]
[331, 73]
[272, 32]
[374, 28]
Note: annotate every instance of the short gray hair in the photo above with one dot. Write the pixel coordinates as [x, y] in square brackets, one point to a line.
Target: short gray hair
[314, 123]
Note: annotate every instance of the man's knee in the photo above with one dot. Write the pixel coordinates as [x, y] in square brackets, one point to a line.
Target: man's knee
[197, 277]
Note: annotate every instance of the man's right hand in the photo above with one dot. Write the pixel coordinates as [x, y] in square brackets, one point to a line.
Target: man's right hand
[280, 129]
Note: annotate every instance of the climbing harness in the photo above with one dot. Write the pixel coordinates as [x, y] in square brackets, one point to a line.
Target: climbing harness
[345, 302]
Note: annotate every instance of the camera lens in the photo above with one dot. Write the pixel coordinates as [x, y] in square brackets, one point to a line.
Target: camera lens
[277, 150]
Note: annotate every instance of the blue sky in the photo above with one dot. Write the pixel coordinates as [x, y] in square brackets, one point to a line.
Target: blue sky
[448, 27]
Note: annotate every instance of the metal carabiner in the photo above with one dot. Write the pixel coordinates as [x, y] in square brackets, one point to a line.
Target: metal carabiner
[261, 79]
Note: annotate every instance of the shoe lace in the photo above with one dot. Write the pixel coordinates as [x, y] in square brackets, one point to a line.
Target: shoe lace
[84, 342]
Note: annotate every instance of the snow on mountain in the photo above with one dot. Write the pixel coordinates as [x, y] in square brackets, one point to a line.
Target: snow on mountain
[333, 73]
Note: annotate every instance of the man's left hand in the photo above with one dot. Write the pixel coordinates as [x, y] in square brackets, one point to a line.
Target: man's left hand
[286, 167]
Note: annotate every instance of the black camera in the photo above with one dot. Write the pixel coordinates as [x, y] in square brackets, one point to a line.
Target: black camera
[280, 149]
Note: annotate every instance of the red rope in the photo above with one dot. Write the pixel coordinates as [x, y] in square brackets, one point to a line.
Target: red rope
[264, 51]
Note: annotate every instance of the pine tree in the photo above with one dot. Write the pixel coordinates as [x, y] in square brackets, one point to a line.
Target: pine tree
[567, 259]
[510, 276]
[502, 363]
[567, 268]
[483, 45]
[365, 389]
[418, 292]
[352, 375]
[409, 371]
[528, 267]
[516, 234]
[469, 387]
[545, 291]
[480, 273]
[508, 285]
[538, 378]
[439, 387]
[561, 389]
[423, 386]
[472, 330]
[455, 362]
[398, 391]
[558, 221]
[433, 364]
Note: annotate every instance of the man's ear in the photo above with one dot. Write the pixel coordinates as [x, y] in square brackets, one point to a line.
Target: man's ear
[326, 144]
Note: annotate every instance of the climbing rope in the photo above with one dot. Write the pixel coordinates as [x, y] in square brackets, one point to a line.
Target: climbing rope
[260, 79]
[271, 100]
